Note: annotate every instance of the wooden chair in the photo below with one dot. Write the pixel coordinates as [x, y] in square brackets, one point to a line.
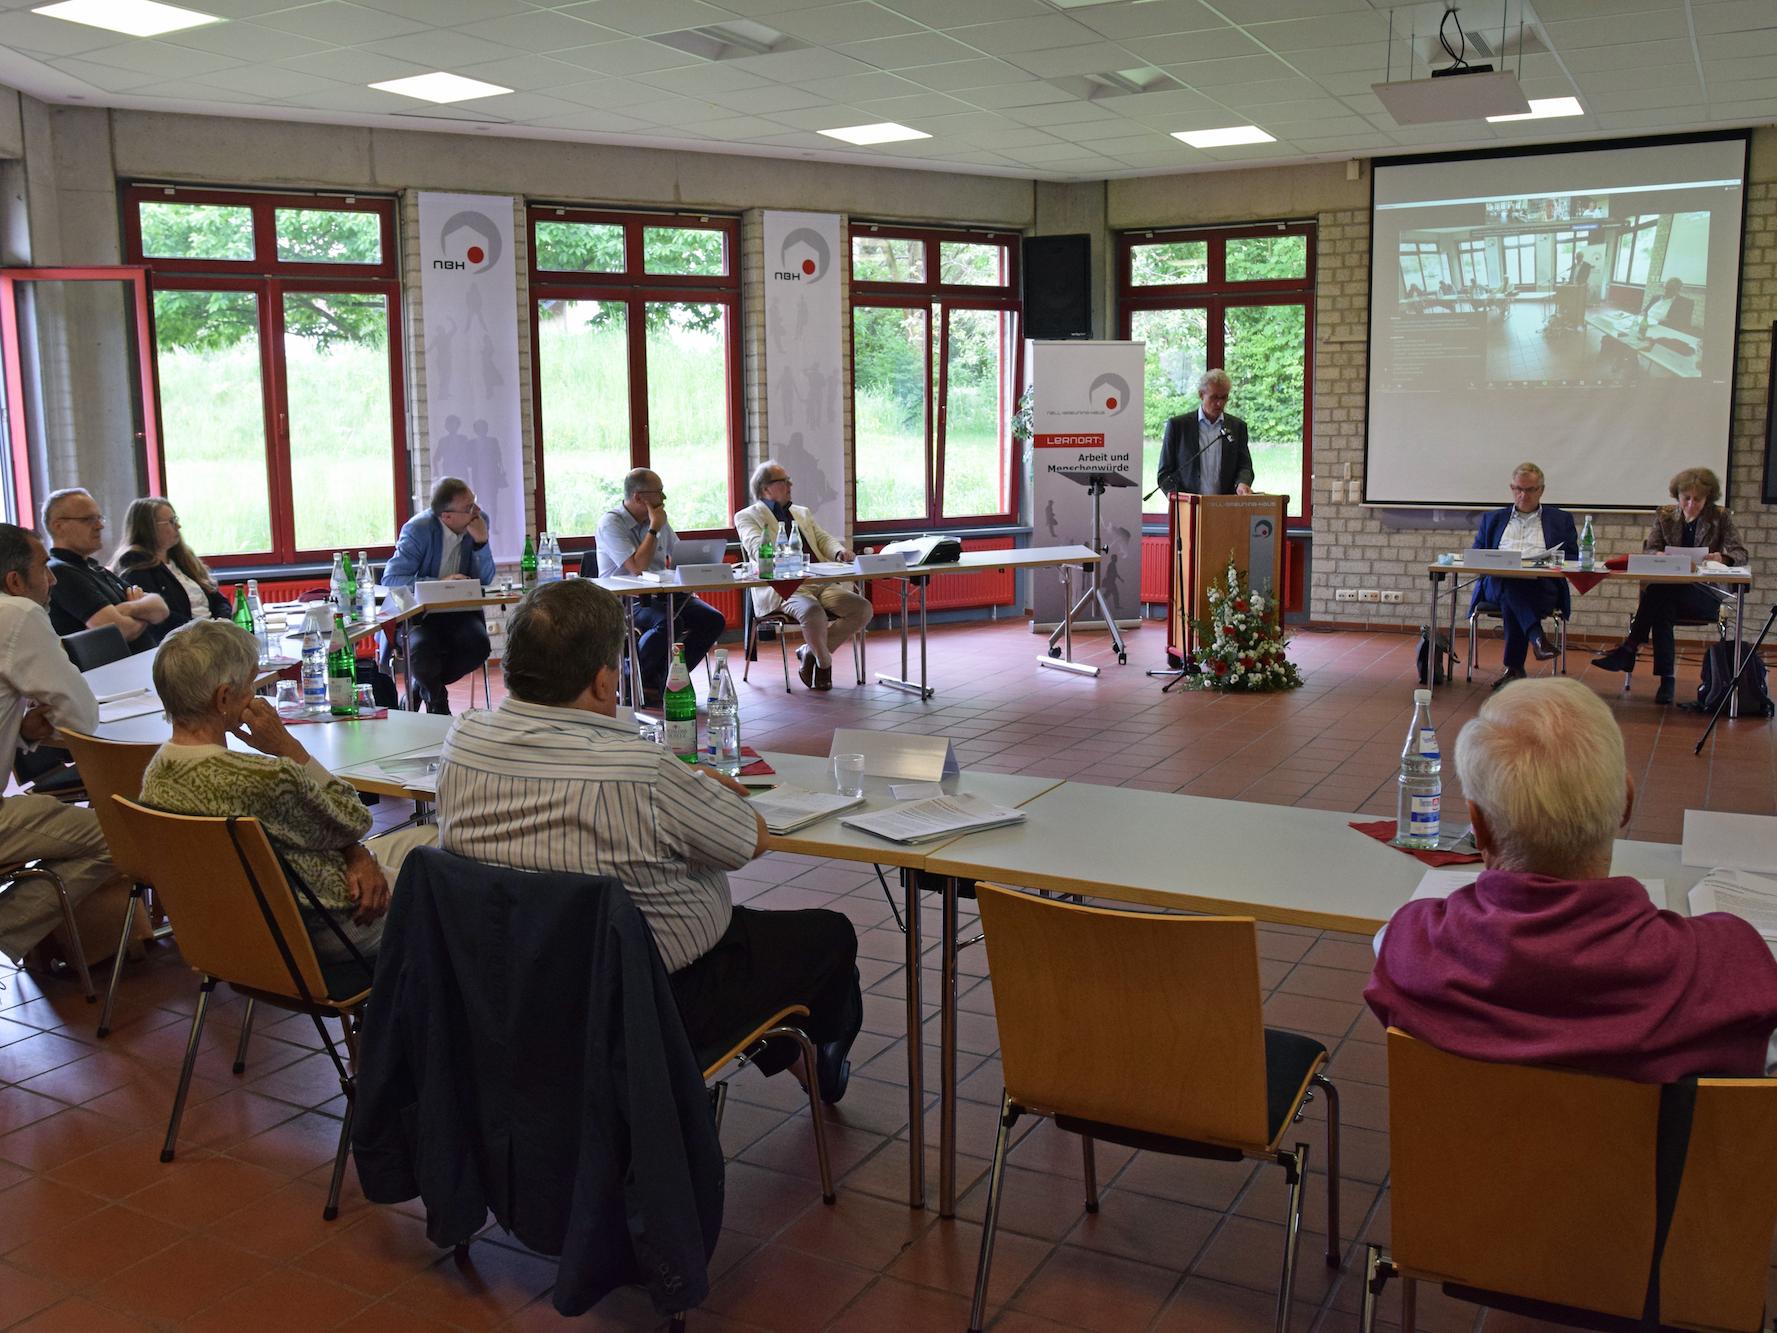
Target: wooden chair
[782, 1026]
[115, 768]
[1147, 1031]
[238, 922]
[1534, 1190]
[18, 872]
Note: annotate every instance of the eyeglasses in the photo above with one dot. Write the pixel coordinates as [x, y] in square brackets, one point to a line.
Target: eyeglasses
[82, 518]
[777, 480]
[170, 520]
[1526, 490]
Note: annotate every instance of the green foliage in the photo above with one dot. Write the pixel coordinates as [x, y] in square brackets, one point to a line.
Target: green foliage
[887, 259]
[1253, 258]
[597, 247]
[1168, 262]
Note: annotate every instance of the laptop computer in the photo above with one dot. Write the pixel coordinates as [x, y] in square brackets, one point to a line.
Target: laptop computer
[699, 550]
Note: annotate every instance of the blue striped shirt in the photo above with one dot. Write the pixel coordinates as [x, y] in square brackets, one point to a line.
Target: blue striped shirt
[538, 787]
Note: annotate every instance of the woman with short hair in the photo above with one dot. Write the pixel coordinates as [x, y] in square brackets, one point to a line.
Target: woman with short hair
[1697, 520]
[204, 674]
[155, 558]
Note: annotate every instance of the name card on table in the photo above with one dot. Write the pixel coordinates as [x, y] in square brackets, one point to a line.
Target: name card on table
[1660, 564]
[889, 754]
[1480, 558]
[879, 563]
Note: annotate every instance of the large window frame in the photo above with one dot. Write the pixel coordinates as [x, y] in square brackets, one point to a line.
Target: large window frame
[939, 299]
[269, 278]
[1217, 295]
[635, 289]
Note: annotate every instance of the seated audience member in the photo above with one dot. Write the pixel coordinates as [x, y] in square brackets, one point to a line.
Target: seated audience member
[204, 674]
[552, 780]
[1696, 521]
[829, 614]
[1671, 308]
[1527, 524]
[39, 691]
[84, 594]
[636, 538]
[1548, 959]
[448, 541]
[155, 558]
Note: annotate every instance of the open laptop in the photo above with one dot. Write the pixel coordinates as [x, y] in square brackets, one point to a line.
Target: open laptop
[699, 550]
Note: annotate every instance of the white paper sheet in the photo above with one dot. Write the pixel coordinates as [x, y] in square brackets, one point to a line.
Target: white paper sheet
[1752, 898]
[786, 809]
[938, 817]
[131, 705]
[1743, 842]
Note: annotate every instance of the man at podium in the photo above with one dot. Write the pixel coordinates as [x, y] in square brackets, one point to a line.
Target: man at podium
[1205, 452]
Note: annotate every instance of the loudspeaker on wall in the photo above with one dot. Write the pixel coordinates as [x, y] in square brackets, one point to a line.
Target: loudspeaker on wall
[1058, 286]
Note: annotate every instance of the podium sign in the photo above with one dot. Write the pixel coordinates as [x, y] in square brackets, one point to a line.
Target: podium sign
[1248, 528]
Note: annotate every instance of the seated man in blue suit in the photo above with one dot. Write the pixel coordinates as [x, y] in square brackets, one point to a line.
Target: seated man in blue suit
[448, 541]
[1527, 524]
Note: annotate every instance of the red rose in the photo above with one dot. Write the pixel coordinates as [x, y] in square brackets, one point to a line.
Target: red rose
[1221, 668]
[1246, 664]
[1240, 605]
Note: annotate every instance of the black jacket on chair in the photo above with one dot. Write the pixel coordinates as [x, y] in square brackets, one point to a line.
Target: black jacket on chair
[522, 1053]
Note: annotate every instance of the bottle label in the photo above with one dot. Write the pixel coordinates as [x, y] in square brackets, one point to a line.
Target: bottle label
[681, 736]
[1423, 819]
[1428, 743]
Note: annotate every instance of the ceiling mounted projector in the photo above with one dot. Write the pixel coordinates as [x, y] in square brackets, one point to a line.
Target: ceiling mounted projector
[1460, 91]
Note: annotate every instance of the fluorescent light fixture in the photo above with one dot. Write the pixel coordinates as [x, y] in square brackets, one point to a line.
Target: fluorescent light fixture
[886, 132]
[1224, 138]
[138, 18]
[441, 87]
[1546, 108]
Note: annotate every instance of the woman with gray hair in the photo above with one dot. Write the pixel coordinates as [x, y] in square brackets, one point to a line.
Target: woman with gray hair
[204, 674]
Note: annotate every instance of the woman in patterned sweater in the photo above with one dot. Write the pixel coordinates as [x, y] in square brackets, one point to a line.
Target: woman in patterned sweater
[204, 673]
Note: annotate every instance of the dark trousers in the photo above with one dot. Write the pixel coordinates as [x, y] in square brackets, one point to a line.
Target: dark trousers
[443, 647]
[1662, 606]
[698, 626]
[1522, 605]
[764, 962]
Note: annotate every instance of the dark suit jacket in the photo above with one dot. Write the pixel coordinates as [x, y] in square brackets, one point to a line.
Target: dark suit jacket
[1558, 530]
[1716, 531]
[1179, 471]
[158, 578]
[523, 1053]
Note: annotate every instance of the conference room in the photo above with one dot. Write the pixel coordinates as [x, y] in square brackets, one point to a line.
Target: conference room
[545, 342]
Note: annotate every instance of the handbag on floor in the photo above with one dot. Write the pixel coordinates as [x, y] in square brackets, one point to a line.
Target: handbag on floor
[1445, 662]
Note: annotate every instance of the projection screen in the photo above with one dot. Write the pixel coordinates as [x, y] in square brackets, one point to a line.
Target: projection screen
[1574, 308]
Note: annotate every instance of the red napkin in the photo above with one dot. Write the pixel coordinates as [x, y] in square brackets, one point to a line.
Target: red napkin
[758, 767]
[1618, 563]
[1584, 583]
[1383, 830]
[364, 715]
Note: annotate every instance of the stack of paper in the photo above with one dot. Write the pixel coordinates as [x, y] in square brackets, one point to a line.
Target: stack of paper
[128, 703]
[937, 817]
[786, 809]
[1752, 898]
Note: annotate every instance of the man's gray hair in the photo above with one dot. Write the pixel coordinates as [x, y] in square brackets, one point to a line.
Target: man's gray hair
[559, 638]
[1529, 470]
[198, 658]
[762, 478]
[637, 480]
[52, 503]
[1219, 378]
[1543, 760]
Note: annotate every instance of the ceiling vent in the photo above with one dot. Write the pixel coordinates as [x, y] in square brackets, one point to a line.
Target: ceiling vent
[734, 40]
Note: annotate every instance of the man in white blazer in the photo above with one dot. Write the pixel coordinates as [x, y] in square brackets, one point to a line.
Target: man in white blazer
[829, 614]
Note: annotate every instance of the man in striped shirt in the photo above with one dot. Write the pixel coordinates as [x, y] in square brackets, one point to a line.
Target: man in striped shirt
[551, 780]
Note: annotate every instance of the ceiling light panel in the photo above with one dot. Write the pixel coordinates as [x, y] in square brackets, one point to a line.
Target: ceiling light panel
[138, 18]
[441, 87]
[864, 135]
[1546, 108]
[1229, 137]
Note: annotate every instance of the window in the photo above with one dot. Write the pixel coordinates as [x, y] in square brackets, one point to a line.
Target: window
[1635, 250]
[277, 351]
[1241, 299]
[935, 368]
[1475, 264]
[1520, 260]
[1423, 267]
[1566, 245]
[635, 321]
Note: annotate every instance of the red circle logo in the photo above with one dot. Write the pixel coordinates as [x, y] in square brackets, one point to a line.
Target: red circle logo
[808, 267]
[1111, 403]
[476, 254]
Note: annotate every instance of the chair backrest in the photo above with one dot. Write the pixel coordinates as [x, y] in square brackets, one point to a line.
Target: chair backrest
[89, 648]
[1539, 1183]
[1127, 1018]
[113, 768]
[207, 887]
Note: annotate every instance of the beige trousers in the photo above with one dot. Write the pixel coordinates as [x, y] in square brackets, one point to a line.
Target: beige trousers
[830, 615]
[68, 840]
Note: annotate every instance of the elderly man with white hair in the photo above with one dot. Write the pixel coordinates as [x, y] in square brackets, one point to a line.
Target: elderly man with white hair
[1204, 452]
[1548, 958]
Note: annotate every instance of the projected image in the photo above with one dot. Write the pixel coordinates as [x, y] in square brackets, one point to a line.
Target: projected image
[1607, 299]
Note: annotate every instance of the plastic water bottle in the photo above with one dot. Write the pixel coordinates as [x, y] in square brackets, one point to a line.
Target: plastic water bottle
[722, 738]
[336, 584]
[256, 618]
[1588, 545]
[549, 560]
[366, 588]
[680, 706]
[314, 662]
[795, 545]
[1421, 780]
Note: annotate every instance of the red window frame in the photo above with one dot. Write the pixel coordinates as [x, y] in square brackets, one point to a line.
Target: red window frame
[1216, 294]
[945, 297]
[635, 289]
[269, 278]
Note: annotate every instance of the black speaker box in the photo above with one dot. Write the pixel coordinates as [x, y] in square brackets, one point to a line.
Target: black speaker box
[1058, 286]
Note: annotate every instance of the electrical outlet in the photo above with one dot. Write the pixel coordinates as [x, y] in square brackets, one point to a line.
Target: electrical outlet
[1368, 595]
[1392, 595]
[1345, 595]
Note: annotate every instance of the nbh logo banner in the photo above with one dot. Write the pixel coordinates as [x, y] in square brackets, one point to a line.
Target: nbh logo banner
[1109, 393]
[803, 256]
[469, 240]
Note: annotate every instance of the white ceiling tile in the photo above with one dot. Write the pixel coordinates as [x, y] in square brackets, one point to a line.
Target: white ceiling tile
[227, 9]
[447, 13]
[962, 75]
[1246, 12]
[1307, 34]
[198, 91]
[51, 37]
[246, 41]
[1230, 73]
[442, 49]
[603, 94]
[348, 64]
[1632, 77]
[159, 59]
[1193, 48]
[1656, 118]
[1360, 141]
[816, 118]
[1733, 16]
[1765, 109]
[540, 30]
[734, 128]
[1009, 38]
[1342, 60]
[1752, 65]
[768, 97]
[595, 122]
[831, 24]
[1558, 11]
[1072, 111]
[108, 78]
[814, 62]
[963, 124]
[1614, 29]
[1742, 90]
[874, 86]
[524, 72]
[347, 98]
[271, 82]
[1121, 22]
[1010, 95]
[1015, 136]
[637, 55]
[1091, 131]
[1099, 58]
[642, 17]
[705, 79]
[1629, 54]
[520, 107]
[923, 103]
[340, 23]
[925, 48]
[675, 111]
[943, 13]
[1646, 98]
[1729, 45]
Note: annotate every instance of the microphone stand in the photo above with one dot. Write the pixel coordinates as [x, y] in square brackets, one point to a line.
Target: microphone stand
[1734, 684]
[1186, 667]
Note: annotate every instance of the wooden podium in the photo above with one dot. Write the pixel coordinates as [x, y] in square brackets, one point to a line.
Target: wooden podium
[1205, 530]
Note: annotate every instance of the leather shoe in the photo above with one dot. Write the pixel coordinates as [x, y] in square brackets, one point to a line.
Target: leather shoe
[1663, 695]
[805, 667]
[1507, 676]
[832, 1070]
[1541, 648]
[823, 677]
[1621, 658]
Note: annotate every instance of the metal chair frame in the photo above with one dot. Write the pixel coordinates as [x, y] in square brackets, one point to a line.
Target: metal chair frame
[18, 871]
[1491, 609]
[783, 621]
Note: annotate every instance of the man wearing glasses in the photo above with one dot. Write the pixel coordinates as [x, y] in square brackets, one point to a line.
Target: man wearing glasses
[86, 595]
[1527, 524]
[636, 538]
[448, 541]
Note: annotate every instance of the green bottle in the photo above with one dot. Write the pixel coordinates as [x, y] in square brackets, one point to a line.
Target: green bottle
[680, 707]
[767, 557]
[527, 563]
[350, 584]
[342, 672]
[243, 614]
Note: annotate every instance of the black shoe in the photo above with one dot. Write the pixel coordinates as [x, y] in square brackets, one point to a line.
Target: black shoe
[805, 667]
[1621, 658]
[1663, 695]
[832, 1070]
[1541, 648]
[1507, 676]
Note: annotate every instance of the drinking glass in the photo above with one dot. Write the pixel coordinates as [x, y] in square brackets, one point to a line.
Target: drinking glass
[287, 701]
[848, 774]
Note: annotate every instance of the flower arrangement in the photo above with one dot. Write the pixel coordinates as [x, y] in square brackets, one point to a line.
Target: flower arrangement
[1241, 643]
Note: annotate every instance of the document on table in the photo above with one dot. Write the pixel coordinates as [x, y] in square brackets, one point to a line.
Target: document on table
[416, 772]
[824, 568]
[1752, 898]
[938, 817]
[115, 708]
[786, 809]
[1443, 883]
[1716, 838]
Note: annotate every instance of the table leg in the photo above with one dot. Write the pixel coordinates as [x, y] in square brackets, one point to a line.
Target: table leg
[901, 682]
[947, 1055]
[1066, 631]
[916, 1089]
[1431, 652]
[635, 652]
[1739, 646]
